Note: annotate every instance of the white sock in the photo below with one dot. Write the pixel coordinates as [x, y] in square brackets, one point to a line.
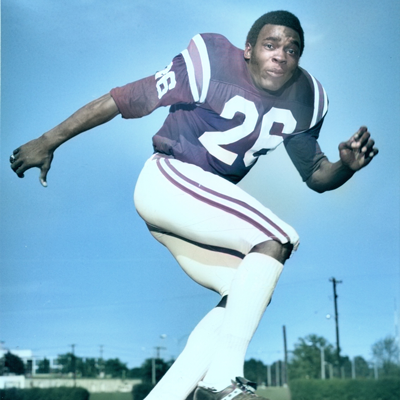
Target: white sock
[190, 367]
[248, 298]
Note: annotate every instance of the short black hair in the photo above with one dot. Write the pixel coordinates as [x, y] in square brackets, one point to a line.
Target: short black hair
[284, 18]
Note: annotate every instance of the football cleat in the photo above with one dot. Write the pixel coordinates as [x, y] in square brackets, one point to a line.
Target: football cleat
[240, 389]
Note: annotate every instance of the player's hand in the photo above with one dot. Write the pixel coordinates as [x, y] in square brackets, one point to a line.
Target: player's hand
[35, 153]
[358, 151]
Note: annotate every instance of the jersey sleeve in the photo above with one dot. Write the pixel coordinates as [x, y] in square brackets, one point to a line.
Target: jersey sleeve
[185, 80]
[198, 66]
[136, 99]
[304, 151]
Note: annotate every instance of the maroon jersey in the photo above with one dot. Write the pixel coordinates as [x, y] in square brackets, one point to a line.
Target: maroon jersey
[218, 119]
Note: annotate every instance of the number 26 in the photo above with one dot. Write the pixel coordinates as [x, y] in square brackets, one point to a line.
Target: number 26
[212, 141]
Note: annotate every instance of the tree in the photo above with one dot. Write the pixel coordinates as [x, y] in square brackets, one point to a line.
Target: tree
[306, 360]
[13, 364]
[115, 368]
[161, 367]
[386, 355]
[362, 368]
[91, 367]
[145, 372]
[135, 373]
[44, 366]
[255, 371]
[68, 363]
[88, 367]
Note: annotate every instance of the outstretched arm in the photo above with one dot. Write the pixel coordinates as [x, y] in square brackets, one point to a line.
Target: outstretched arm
[355, 154]
[39, 152]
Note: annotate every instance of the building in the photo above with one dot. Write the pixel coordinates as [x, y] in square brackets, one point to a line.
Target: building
[26, 356]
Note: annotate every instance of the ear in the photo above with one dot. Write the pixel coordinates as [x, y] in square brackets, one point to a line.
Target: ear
[247, 51]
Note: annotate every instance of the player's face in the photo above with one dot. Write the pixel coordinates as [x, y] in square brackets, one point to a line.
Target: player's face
[274, 58]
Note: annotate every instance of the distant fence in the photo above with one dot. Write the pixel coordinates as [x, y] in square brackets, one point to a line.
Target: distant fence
[92, 385]
[12, 381]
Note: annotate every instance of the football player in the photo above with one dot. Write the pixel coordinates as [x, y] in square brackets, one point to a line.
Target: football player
[228, 106]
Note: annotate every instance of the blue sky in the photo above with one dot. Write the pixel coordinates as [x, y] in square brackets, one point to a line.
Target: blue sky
[77, 263]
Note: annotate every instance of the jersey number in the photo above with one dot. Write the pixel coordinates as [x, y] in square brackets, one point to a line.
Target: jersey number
[165, 81]
[278, 118]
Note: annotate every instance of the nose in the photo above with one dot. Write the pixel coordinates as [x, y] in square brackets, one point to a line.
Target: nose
[279, 56]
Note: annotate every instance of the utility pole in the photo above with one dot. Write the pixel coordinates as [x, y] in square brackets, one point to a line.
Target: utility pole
[396, 326]
[285, 377]
[153, 364]
[322, 348]
[158, 348]
[101, 363]
[153, 371]
[335, 296]
[376, 374]
[73, 363]
[3, 358]
[277, 374]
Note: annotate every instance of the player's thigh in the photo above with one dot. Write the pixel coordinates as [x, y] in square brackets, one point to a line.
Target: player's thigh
[209, 268]
[183, 199]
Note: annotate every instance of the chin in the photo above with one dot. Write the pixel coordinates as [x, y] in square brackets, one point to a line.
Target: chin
[273, 87]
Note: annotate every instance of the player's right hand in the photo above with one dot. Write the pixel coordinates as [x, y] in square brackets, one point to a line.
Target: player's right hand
[32, 154]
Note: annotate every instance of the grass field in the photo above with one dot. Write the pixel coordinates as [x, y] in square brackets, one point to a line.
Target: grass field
[274, 393]
[110, 396]
[270, 393]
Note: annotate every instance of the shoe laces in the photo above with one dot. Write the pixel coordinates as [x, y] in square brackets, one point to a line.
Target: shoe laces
[246, 386]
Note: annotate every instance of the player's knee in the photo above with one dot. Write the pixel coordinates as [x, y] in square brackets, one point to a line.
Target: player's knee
[222, 302]
[275, 249]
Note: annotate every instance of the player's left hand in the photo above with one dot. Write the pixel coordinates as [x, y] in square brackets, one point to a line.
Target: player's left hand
[358, 151]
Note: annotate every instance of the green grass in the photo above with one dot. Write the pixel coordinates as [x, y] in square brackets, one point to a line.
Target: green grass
[110, 396]
[274, 393]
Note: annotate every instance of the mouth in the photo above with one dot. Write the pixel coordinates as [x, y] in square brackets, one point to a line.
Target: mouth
[277, 73]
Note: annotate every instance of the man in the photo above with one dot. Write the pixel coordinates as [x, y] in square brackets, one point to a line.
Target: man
[228, 107]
